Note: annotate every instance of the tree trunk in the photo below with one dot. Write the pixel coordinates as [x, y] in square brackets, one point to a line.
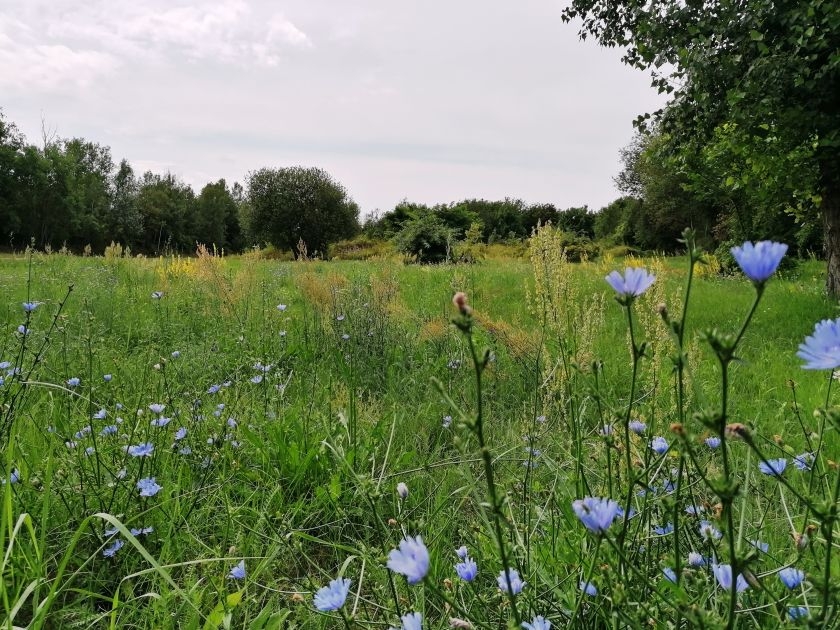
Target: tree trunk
[831, 219]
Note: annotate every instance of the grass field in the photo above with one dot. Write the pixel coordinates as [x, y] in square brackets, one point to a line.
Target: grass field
[296, 396]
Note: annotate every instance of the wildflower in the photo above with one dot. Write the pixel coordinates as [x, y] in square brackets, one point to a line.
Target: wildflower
[185, 451]
[759, 261]
[762, 546]
[695, 559]
[238, 572]
[90, 451]
[634, 282]
[773, 466]
[157, 408]
[460, 624]
[84, 432]
[588, 588]
[723, 575]
[107, 377]
[797, 612]
[282, 333]
[821, 350]
[111, 532]
[411, 621]
[213, 389]
[121, 473]
[14, 477]
[510, 583]
[100, 415]
[669, 574]
[148, 487]
[410, 560]
[804, 461]
[461, 552]
[175, 354]
[460, 302]
[447, 422]
[694, 510]
[28, 307]
[402, 490]
[659, 445]
[541, 419]
[110, 552]
[712, 442]
[181, 433]
[161, 422]
[664, 530]
[467, 570]
[231, 422]
[791, 577]
[73, 382]
[257, 379]
[345, 336]
[156, 295]
[142, 531]
[637, 426]
[340, 318]
[281, 307]
[331, 598]
[709, 531]
[144, 449]
[606, 430]
[596, 514]
[23, 330]
[537, 623]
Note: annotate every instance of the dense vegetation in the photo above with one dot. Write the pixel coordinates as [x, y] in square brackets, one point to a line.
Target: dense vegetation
[211, 441]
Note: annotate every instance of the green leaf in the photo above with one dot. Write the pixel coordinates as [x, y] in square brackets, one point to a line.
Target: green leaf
[756, 36]
[217, 617]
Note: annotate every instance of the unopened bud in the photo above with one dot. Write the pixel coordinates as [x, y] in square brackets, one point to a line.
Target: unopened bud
[460, 302]
[447, 584]
[662, 309]
[460, 624]
[778, 439]
[402, 490]
[737, 430]
[392, 522]
[297, 598]
[677, 428]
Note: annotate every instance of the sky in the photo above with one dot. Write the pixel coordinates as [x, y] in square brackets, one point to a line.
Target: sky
[431, 101]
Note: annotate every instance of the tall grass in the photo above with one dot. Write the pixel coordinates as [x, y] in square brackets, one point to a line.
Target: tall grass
[296, 396]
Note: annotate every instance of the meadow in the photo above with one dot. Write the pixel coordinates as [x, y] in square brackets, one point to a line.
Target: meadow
[212, 441]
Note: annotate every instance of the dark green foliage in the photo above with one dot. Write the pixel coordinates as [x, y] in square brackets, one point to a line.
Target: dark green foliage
[167, 207]
[426, 237]
[756, 91]
[297, 204]
[578, 221]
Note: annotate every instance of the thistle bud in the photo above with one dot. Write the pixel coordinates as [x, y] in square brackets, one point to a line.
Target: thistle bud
[460, 302]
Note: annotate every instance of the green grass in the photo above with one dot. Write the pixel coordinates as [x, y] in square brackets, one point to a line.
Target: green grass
[301, 485]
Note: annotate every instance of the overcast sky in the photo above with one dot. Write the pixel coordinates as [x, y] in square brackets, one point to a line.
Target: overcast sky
[433, 101]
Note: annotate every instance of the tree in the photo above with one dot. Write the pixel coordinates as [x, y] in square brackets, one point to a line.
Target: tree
[125, 223]
[290, 205]
[427, 237]
[217, 217]
[771, 68]
[167, 207]
[11, 148]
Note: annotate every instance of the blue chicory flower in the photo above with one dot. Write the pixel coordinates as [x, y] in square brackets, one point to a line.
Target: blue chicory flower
[73, 381]
[713, 442]
[821, 350]
[791, 577]
[331, 598]
[759, 261]
[596, 514]
[804, 461]
[111, 551]
[659, 445]
[510, 583]
[588, 588]
[669, 574]
[181, 433]
[664, 530]
[797, 612]
[238, 572]
[467, 570]
[144, 449]
[773, 467]
[462, 552]
[537, 623]
[633, 283]
[709, 531]
[410, 560]
[723, 575]
[28, 307]
[412, 621]
[637, 426]
[148, 487]
[696, 559]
